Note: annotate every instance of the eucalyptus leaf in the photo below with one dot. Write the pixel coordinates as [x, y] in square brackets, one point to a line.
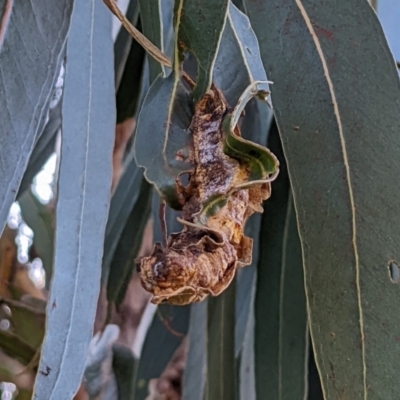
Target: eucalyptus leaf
[44, 148]
[238, 62]
[246, 286]
[128, 92]
[26, 322]
[281, 327]
[124, 367]
[221, 367]
[247, 376]
[336, 114]
[260, 160]
[123, 42]
[83, 202]
[24, 394]
[194, 376]
[122, 203]
[255, 127]
[201, 23]
[30, 57]
[151, 17]
[166, 332]
[163, 137]
[123, 263]
[98, 377]
[16, 347]
[40, 219]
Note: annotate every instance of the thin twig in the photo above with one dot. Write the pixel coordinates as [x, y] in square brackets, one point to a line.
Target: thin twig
[167, 324]
[161, 215]
[153, 50]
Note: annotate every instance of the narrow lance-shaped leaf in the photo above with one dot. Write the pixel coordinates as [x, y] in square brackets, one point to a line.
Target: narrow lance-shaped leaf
[123, 263]
[27, 322]
[165, 334]
[221, 371]
[43, 149]
[162, 137]
[124, 365]
[40, 219]
[128, 92]
[238, 62]
[194, 376]
[255, 127]
[201, 24]
[16, 347]
[151, 17]
[83, 202]
[261, 161]
[169, 324]
[281, 328]
[245, 365]
[339, 120]
[122, 203]
[123, 42]
[246, 285]
[31, 44]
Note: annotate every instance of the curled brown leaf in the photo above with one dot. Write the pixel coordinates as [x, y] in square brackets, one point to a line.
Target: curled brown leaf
[202, 259]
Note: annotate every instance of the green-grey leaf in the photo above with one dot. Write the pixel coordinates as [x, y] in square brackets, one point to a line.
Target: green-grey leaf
[261, 161]
[244, 315]
[246, 285]
[44, 148]
[98, 377]
[255, 127]
[123, 263]
[201, 25]
[124, 366]
[16, 347]
[194, 376]
[221, 369]
[39, 219]
[84, 191]
[26, 322]
[246, 367]
[30, 47]
[123, 42]
[163, 137]
[122, 203]
[255, 124]
[211, 207]
[281, 332]
[128, 92]
[169, 326]
[238, 62]
[336, 114]
[151, 18]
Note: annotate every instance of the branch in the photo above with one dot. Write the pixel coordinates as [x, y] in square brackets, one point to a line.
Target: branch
[154, 51]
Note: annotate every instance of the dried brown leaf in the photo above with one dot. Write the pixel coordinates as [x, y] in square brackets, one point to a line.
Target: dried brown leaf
[202, 259]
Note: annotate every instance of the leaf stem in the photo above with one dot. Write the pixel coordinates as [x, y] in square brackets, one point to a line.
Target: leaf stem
[153, 50]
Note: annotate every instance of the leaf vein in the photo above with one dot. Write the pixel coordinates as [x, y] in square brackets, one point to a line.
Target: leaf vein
[320, 52]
